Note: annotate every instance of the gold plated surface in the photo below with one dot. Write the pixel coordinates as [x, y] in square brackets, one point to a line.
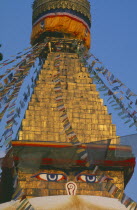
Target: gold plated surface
[34, 187]
[81, 6]
[87, 114]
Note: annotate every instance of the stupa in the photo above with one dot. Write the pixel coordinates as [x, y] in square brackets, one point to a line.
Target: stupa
[66, 114]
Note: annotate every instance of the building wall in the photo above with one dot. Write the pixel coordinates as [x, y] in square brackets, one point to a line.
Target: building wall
[33, 187]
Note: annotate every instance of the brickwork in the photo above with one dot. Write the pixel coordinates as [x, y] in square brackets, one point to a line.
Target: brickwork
[34, 187]
[88, 116]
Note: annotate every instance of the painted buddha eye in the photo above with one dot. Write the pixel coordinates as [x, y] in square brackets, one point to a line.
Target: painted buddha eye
[87, 178]
[50, 177]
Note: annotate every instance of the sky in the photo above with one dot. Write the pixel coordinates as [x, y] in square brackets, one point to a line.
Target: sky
[114, 42]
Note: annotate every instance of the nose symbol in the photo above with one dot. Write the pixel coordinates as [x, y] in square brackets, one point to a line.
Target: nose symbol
[71, 188]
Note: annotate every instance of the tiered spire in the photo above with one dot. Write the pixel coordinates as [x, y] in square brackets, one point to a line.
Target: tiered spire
[88, 116]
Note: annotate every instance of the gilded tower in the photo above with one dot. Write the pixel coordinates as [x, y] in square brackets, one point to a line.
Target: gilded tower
[63, 22]
[64, 107]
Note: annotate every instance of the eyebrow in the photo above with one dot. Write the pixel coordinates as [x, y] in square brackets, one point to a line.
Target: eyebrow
[60, 172]
[79, 172]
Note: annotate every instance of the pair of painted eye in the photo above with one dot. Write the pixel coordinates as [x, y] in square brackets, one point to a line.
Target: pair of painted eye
[59, 177]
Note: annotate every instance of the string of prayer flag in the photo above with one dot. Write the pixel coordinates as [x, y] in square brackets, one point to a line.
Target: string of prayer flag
[119, 92]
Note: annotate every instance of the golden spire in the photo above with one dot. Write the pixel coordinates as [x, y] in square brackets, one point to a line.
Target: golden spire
[56, 18]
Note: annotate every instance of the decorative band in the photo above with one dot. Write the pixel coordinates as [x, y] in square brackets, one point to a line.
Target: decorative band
[73, 5]
[60, 10]
[38, 3]
[63, 14]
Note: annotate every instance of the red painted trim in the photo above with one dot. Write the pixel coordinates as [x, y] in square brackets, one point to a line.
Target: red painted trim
[54, 145]
[107, 163]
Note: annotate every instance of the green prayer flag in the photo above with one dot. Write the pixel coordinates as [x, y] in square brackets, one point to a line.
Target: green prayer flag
[131, 125]
[127, 121]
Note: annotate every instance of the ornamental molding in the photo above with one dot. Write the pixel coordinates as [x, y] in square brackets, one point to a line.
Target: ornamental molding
[45, 5]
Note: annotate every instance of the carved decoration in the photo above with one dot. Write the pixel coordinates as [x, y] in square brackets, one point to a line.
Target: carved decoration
[81, 6]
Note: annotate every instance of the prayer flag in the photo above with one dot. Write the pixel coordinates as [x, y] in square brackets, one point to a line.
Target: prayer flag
[128, 91]
[6, 81]
[105, 71]
[127, 121]
[10, 76]
[67, 126]
[115, 88]
[112, 77]
[25, 97]
[22, 104]
[61, 107]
